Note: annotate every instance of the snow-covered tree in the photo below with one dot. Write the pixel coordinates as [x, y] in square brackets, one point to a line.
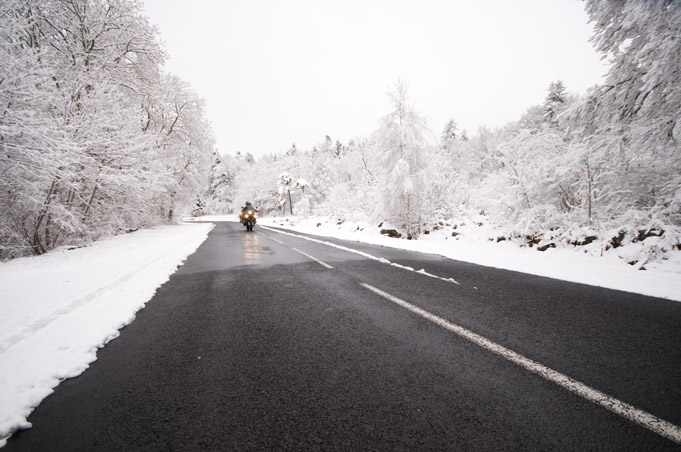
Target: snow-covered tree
[302, 184]
[285, 182]
[555, 102]
[220, 192]
[339, 149]
[184, 143]
[402, 144]
[533, 119]
[293, 150]
[326, 146]
[82, 153]
[198, 207]
[632, 123]
[449, 136]
[303, 205]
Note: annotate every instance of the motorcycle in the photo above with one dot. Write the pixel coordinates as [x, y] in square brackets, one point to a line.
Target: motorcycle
[248, 219]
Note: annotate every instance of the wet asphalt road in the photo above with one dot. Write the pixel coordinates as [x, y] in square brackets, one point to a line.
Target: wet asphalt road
[253, 345]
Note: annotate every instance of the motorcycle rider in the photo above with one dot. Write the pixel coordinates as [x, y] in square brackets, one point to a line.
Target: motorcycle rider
[248, 207]
[245, 209]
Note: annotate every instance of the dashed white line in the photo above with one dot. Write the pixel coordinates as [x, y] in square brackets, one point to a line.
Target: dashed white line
[271, 238]
[643, 418]
[367, 255]
[324, 264]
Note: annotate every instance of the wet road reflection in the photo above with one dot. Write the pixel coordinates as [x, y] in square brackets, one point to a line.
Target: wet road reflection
[252, 252]
[229, 245]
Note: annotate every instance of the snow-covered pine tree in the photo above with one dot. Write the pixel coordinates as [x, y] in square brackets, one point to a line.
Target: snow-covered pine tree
[220, 192]
[402, 142]
[198, 207]
[327, 145]
[554, 102]
[449, 135]
[339, 149]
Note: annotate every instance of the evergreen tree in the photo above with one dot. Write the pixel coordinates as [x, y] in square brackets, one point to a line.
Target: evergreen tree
[449, 135]
[554, 102]
[220, 187]
[198, 207]
[327, 146]
[339, 149]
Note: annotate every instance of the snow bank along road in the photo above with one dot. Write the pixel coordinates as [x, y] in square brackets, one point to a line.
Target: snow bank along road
[56, 310]
[272, 340]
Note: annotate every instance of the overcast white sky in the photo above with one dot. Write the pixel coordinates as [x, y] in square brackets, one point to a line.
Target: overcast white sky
[278, 72]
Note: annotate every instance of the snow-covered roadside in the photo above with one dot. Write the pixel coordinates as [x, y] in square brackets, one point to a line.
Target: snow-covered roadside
[471, 244]
[56, 310]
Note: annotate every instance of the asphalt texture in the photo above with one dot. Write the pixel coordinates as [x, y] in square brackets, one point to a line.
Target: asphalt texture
[252, 345]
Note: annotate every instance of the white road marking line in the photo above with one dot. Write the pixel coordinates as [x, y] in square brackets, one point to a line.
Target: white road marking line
[362, 253]
[272, 238]
[643, 418]
[324, 264]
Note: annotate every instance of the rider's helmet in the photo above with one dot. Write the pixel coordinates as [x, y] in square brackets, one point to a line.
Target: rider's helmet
[248, 203]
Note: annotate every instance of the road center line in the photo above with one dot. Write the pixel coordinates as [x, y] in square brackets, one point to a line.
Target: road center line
[643, 418]
[324, 264]
[362, 253]
[271, 238]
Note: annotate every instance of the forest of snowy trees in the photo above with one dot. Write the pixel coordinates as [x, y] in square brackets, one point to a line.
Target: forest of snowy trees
[95, 139]
[604, 167]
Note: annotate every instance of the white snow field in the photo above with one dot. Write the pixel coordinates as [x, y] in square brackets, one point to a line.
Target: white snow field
[56, 310]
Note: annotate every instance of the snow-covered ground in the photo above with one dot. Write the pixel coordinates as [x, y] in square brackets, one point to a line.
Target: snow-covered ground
[57, 310]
